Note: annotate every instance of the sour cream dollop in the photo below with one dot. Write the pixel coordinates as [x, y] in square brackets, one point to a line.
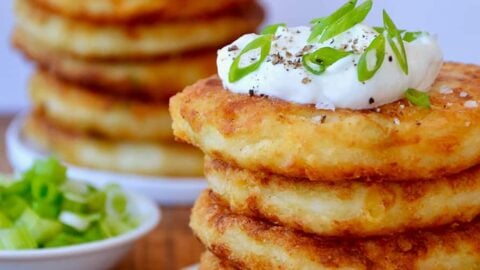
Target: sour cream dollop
[283, 76]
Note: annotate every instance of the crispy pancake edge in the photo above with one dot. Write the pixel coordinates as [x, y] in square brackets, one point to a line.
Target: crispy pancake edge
[256, 244]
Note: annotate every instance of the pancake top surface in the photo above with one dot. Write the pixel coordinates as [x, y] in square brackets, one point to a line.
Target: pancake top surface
[398, 141]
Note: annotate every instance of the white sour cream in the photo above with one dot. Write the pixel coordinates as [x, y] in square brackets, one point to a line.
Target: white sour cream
[284, 77]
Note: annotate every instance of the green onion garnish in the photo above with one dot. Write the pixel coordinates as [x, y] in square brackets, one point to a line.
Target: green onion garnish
[236, 72]
[318, 61]
[320, 24]
[44, 209]
[411, 36]
[418, 98]
[272, 29]
[367, 68]
[396, 42]
[16, 238]
[347, 21]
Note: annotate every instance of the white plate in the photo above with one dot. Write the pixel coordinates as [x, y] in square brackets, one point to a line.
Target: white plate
[164, 190]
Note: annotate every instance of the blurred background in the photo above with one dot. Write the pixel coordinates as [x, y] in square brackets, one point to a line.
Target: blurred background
[455, 22]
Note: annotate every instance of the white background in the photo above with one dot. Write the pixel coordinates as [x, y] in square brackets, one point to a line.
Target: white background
[457, 24]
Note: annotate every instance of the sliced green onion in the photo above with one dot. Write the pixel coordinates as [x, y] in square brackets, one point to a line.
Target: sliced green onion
[411, 36]
[5, 222]
[365, 68]
[380, 30]
[44, 190]
[64, 239]
[45, 209]
[94, 233]
[112, 226]
[350, 19]
[418, 98]
[96, 201]
[318, 61]
[272, 29]
[74, 205]
[42, 229]
[394, 39]
[17, 188]
[16, 238]
[236, 72]
[317, 20]
[50, 169]
[116, 202]
[78, 222]
[322, 23]
[13, 206]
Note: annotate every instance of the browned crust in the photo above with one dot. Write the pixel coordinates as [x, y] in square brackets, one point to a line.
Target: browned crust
[454, 247]
[154, 79]
[265, 134]
[347, 208]
[208, 261]
[140, 11]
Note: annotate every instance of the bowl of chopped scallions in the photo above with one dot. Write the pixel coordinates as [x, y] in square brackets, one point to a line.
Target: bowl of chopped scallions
[50, 222]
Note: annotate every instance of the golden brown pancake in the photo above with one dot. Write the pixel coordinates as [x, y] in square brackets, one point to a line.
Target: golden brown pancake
[255, 244]
[350, 208]
[208, 261]
[90, 40]
[156, 79]
[78, 109]
[155, 159]
[138, 10]
[398, 142]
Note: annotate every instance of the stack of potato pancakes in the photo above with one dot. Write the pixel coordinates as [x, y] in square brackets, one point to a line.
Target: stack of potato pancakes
[294, 187]
[106, 69]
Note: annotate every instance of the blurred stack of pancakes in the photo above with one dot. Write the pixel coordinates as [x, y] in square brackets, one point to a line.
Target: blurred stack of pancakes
[293, 187]
[106, 69]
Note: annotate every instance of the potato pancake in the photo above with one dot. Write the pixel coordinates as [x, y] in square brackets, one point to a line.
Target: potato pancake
[397, 142]
[78, 109]
[119, 41]
[208, 261]
[154, 79]
[256, 244]
[138, 10]
[347, 208]
[155, 159]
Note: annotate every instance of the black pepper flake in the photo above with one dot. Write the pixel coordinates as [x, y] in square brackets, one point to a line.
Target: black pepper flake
[371, 100]
[322, 120]
[232, 48]
[251, 92]
[390, 58]
[306, 80]
[277, 59]
[418, 123]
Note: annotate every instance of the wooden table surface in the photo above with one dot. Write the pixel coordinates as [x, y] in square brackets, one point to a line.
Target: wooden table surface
[171, 246]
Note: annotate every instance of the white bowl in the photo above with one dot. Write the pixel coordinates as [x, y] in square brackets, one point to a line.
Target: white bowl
[98, 255]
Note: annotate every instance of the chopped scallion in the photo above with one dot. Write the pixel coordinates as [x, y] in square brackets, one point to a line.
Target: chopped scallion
[272, 29]
[418, 98]
[264, 44]
[396, 42]
[320, 24]
[347, 21]
[318, 61]
[372, 59]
